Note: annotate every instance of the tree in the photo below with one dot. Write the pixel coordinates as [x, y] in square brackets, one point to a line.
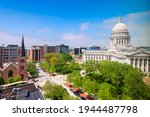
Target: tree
[47, 88]
[18, 78]
[77, 81]
[106, 91]
[59, 62]
[1, 81]
[91, 66]
[75, 78]
[90, 87]
[58, 93]
[134, 87]
[116, 81]
[70, 78]
[51, 58]
[54, 92]
[73, 66]
[67, 57]
[13, 79]
[10, 80]
[31, 67]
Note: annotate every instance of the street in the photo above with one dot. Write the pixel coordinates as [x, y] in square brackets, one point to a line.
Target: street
[43, 77]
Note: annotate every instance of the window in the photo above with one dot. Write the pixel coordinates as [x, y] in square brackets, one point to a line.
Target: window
[10, 73]
[22, 76]
[22, 67]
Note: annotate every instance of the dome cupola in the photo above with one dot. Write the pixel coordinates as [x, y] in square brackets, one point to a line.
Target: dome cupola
[120, 26]
[120, 37]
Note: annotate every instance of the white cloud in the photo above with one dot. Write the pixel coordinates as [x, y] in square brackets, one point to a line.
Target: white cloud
[10, 38]
[77, 40]
[44, 30]
[138, 25]
[139, 28]
[84, 26]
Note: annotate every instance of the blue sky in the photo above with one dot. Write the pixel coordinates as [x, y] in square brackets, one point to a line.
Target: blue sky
[72, 22]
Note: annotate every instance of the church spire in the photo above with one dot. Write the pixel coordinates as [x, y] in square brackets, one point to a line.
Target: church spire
[23, 53]
[119, 19]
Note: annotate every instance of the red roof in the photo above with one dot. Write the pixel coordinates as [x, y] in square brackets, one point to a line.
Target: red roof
[75, 89]
[68, 85]
[85, 95]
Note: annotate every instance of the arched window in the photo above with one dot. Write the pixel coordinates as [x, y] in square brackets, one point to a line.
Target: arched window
[22, 76]
[10, 73]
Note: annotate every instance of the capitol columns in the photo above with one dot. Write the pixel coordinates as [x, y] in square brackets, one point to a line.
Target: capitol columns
[147, 65]
[142, 68]
[134, 62]
[138, 64]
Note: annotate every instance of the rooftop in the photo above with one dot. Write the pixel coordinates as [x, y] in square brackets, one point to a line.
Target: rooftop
[25, 92]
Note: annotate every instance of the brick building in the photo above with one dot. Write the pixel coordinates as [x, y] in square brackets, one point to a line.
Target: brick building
[16, 68]
[37, 52]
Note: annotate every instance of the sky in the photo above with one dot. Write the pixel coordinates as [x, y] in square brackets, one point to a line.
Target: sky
[72, 22]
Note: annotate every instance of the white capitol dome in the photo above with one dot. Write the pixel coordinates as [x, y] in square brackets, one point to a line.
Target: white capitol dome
[120, 26]
[120, 37]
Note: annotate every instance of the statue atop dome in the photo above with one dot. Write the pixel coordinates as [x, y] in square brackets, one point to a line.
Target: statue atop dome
[119, 20]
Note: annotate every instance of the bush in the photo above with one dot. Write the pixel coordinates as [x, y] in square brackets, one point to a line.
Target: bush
[18, 78]
[10, 80]
[1, 81]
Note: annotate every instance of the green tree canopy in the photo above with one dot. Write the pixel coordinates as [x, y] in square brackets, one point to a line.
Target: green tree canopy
[90, 87]
[106, 91]
[55, 92]
[111, 80]
[91, 66]
[31, 67]
[1, 81]
[10, 80]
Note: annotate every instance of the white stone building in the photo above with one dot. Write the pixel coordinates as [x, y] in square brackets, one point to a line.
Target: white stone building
[121, 50]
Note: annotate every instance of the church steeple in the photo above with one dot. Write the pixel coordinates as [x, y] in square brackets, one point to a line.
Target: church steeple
[23, 53]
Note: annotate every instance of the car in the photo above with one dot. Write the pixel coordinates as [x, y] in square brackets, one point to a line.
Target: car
[82, 98]
[71, 89]
[34, 80]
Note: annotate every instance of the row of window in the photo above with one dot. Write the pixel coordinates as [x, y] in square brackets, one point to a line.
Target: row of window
[11, 49]
[6, 52]
[121, 33]
[102, 57]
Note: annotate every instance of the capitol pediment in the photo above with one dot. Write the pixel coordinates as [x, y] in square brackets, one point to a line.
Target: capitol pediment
[141, 53]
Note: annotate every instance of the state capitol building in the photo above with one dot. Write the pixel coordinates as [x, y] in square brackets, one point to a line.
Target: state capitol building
[121, 50]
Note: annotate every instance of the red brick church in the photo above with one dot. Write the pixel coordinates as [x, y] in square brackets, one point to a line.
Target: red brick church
[13, 69]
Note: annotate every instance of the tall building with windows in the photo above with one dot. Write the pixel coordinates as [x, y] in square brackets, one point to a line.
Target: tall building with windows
[9, 53]
[79, 50]
[37, 52]
[62, 48]
[121, 50]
